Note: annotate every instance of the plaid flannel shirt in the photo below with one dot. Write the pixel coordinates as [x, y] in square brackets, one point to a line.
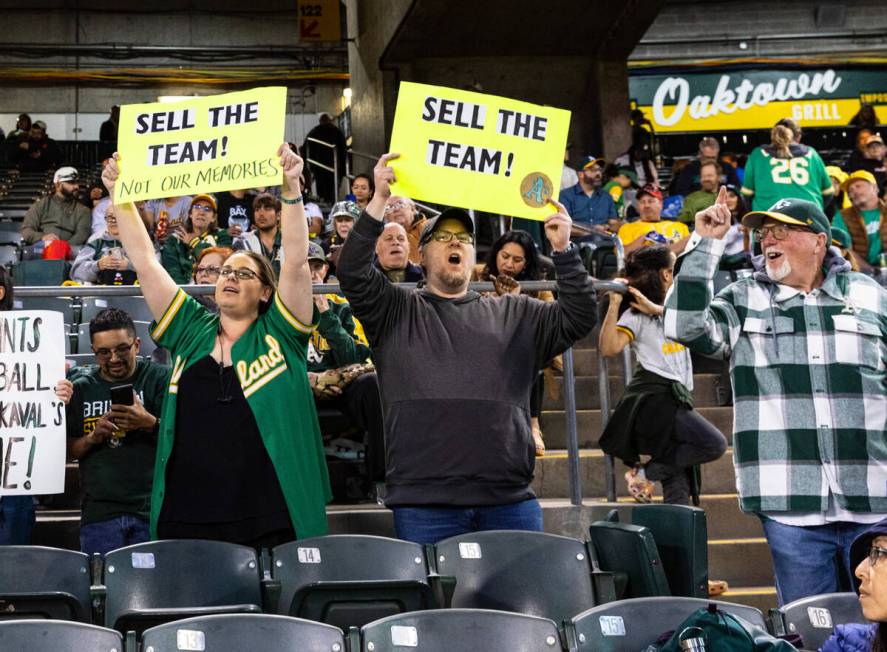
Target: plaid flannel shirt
[809, 384]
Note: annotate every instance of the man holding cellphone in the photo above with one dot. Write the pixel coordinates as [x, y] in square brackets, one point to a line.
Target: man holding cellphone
[112, 430]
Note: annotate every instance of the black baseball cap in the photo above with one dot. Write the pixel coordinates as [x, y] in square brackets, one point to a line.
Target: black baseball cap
[448, 214]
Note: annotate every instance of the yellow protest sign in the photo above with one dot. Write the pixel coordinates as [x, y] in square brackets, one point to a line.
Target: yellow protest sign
[208, 144]
[472, 150]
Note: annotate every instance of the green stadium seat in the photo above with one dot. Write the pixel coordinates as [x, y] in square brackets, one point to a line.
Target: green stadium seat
[445, 630]
[41, 272]
[241, 632]
[630, 552]
[47, 583]
[532, 573]
[152, 583]
[57, 636]
[351, 580]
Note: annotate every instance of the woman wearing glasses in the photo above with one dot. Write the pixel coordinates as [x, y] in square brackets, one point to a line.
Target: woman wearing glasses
[199, 231]
[239, 454]
[868, 555]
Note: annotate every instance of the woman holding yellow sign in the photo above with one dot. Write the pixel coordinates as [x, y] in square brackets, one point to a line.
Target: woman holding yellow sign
[239, 455]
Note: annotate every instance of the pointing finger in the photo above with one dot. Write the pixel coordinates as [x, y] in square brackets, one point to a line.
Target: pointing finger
[388, 157]
[722, 197]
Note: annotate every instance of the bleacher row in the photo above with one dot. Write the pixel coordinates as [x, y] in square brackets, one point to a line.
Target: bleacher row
[498, 590]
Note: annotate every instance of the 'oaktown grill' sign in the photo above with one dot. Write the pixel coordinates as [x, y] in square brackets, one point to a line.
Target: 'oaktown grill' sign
[688, 102]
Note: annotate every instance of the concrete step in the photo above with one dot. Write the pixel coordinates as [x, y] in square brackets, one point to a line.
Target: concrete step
[759, 597]
[588, 425]
[588, 393]
[742, 562]
[726, 520]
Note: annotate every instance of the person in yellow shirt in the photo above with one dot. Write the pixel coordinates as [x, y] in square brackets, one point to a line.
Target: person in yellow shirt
[651, 229]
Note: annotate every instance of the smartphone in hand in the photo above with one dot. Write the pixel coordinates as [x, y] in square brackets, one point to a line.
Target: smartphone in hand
[122, 395]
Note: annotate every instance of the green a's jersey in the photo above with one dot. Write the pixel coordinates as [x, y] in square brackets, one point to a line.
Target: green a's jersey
[769, 178]
[116, 476]
[270, 363]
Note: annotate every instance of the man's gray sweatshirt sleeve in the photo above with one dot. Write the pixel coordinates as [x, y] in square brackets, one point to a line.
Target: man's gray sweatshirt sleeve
[573, 315]
[374, 300]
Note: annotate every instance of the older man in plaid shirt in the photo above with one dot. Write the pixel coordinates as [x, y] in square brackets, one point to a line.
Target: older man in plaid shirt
[807, 340]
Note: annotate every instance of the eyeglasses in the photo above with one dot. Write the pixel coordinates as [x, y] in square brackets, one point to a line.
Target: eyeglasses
[875, 554]
[203, 208]
[241, 273]
[396, 206]
[778, 231]
[122, 351]
[212, 270]
[445, 236]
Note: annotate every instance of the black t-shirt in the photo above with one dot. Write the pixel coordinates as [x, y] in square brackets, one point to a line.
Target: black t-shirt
[220, 482]
[230, 206]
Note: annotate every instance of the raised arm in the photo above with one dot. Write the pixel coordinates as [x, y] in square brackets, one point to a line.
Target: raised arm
[611, 340]
[157, 286]
[294, 286]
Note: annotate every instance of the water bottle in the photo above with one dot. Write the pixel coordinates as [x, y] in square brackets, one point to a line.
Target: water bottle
[692, 638]
[242, 222]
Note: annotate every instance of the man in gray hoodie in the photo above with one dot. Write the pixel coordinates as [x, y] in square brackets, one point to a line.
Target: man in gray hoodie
[455, 372]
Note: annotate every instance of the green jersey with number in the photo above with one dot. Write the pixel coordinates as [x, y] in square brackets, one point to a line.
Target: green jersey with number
[769, 178]
[270, 363]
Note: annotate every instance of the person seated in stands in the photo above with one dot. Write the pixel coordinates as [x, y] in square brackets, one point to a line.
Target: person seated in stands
[240, 457]
[709, 181]
[342, 215]
[737, 252]
[362, 188]
[620, 189]
[186, 241]
[402, 210]
[865, 221]
[207, 270]
[22, 127]
[392, 255]
[868, 556]
[162, 216]
[115, 444]
[58, 216]
[235, 210]
[102, 259]
[590, 206]
[690, 177]
[17, 512]
[265, 238]
[655, 415]
[651, 229]
[872, 159]
[36, 152]
[514, 258]
[337, 369]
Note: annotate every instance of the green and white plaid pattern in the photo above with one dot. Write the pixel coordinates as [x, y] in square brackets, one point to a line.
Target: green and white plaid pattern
[809, 382]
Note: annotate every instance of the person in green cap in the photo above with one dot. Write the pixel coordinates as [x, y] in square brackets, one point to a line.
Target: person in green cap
[239, 452]
[624, 179]
[806, 340]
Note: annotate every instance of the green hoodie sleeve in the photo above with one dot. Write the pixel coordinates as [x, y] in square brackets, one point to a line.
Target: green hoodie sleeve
[337, 328]
[176, 259]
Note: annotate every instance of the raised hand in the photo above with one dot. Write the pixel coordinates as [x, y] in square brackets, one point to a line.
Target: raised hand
[714, 221]
[383, 175]
[643, 304]
[110, 173]
[557, 227]
[292, 165]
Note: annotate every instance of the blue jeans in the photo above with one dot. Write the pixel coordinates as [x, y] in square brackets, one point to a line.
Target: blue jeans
[16, 520]
[120, 531]
[433, 524]
[809, 560]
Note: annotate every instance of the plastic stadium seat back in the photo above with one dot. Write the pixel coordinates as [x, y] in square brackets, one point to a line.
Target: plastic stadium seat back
[445, 630]
[242, 632]
[350, 580]
[46, 583]
[531, 573]
[160, 581]
[41, 272]
[57, 636]
[143, 332]
[9, 254]
[630, 550]
[134, 306]
[681, 535]
[814, 618]
[636, 623]
[63, 305]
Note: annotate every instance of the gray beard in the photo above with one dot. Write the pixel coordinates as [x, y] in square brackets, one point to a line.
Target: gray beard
[453, 281]
[779, 273]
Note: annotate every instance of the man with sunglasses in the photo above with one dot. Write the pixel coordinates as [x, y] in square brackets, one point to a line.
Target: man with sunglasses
[455, 371]
[115, 444]
[807, 343]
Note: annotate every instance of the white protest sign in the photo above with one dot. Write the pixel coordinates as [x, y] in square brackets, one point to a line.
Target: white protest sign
[32, 418]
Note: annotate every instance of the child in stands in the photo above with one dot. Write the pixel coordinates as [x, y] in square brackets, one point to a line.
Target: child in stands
[655, 416]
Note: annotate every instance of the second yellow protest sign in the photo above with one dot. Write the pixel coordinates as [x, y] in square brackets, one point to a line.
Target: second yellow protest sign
[208, 144]
[478, 151]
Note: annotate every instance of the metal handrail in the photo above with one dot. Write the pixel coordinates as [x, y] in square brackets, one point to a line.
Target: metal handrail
[334, 170]
[569, 383]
